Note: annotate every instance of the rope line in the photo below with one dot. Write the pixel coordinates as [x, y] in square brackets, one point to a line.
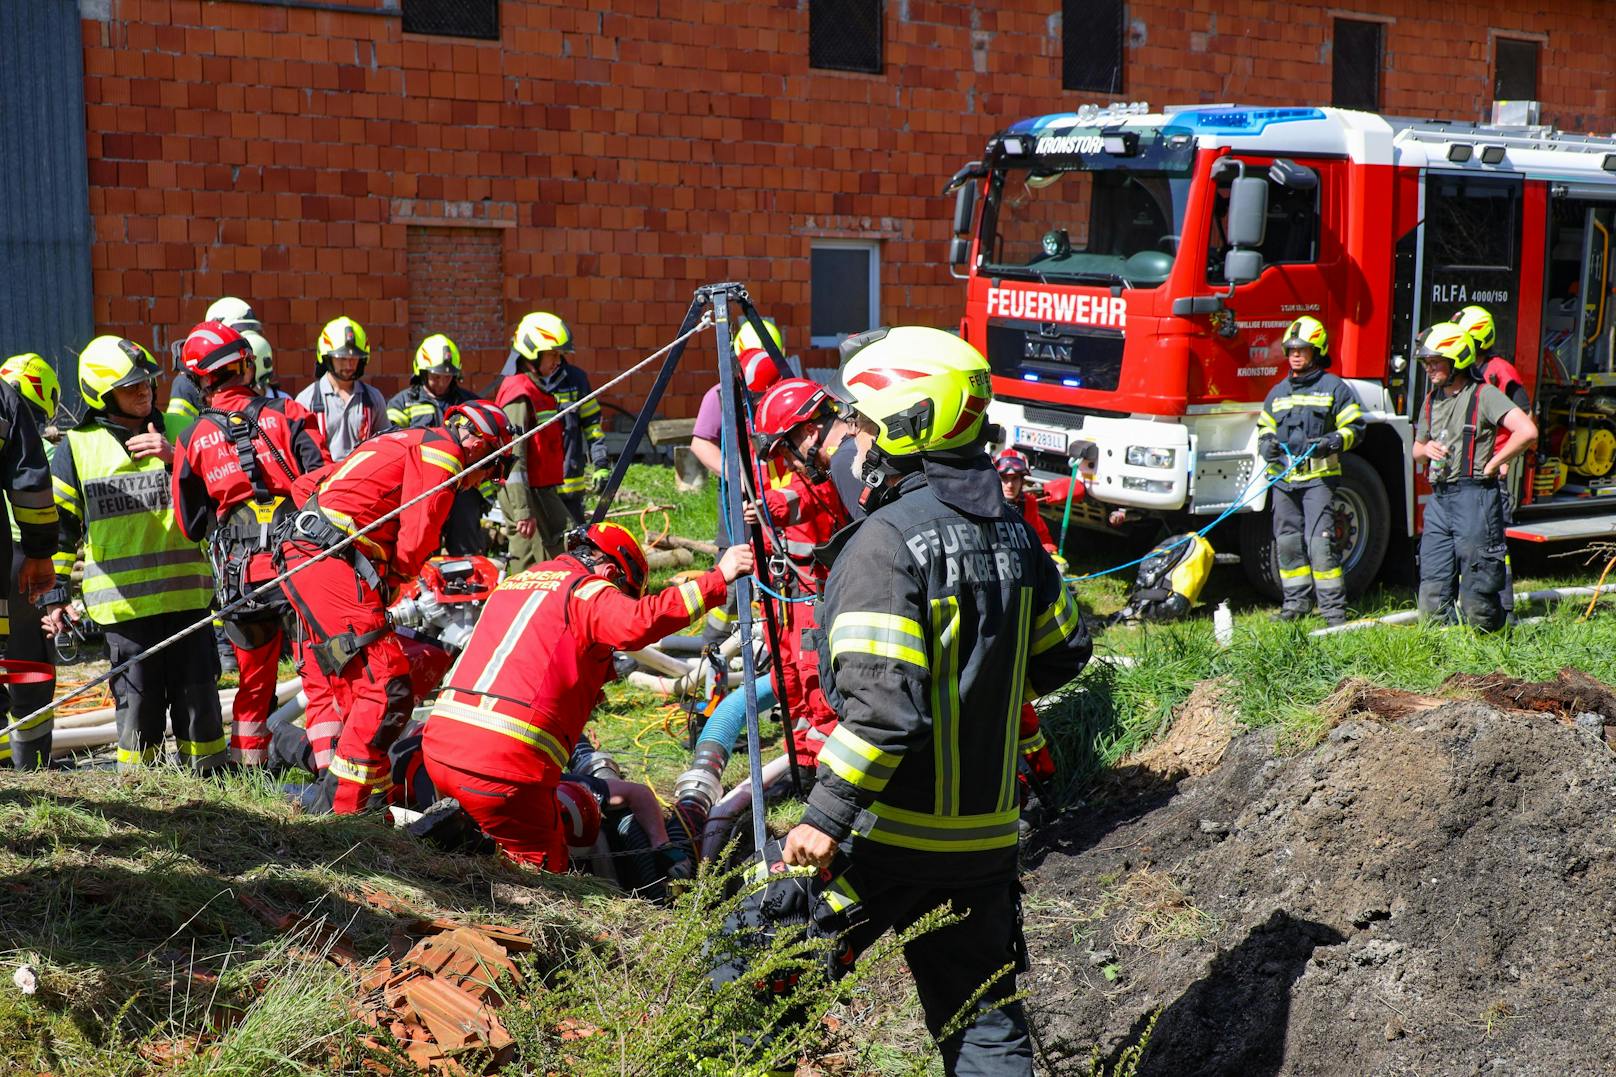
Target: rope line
[207, 622]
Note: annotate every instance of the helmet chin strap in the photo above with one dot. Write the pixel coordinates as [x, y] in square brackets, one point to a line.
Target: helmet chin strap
[810, 459]
[879, 475]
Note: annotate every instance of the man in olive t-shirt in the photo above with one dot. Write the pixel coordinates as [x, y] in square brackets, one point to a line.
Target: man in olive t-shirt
[1457, 432]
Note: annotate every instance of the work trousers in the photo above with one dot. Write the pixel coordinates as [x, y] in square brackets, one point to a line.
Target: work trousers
[176, 687]
[1506, 516]
[574, 504]
[463, 536]
[949, 964]
[369, 699]
[521, 817]
[1463, 551]
[257, 644]
[28, 747]
[543, 505]
[812, 717]
[1304, 540]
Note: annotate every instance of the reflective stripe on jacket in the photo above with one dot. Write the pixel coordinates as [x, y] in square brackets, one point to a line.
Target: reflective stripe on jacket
[1306, 407]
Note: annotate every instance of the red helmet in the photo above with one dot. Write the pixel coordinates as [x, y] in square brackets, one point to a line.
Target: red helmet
[758, 370]
[785, 406]
[213, 351]
[580, 816]
[1010, 462]
[619, 545]
[485, 420]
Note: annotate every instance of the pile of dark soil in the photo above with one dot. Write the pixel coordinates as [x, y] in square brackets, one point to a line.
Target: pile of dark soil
[1435, 895]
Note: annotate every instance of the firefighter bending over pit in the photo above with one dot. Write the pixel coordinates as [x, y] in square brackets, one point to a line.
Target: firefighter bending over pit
[517, 699]
[355, 675]
[943, 611]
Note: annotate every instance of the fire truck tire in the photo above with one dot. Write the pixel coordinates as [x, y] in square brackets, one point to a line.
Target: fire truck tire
[1363, 521]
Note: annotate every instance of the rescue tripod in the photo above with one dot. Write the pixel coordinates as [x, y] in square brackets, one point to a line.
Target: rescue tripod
[740, 472]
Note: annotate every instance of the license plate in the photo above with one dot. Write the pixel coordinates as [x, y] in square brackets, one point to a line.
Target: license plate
[1040, 438]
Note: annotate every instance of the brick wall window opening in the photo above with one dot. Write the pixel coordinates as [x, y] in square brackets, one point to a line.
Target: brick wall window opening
[845, 290]
[1355, 60]
[1093, 33]
[1515, 66]
[453, 18]
[845, 35]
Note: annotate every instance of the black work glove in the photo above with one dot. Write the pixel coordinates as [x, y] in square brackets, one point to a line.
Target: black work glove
[1269, 447]
[1329, 444]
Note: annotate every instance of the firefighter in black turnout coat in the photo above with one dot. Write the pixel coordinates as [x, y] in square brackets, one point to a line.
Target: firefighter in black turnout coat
[943, 613]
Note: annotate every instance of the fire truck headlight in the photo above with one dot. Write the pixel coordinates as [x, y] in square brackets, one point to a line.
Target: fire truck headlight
[1149, 486]
[1146, 456]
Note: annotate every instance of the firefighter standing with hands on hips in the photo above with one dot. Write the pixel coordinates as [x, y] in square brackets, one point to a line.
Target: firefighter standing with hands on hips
[144, 579]
[535, 516]
[1457, 432]
[943, 612]
[1309, 409]
[354, 671]
[517, 699]
[435, 388]
[27, 406]
[232, 484]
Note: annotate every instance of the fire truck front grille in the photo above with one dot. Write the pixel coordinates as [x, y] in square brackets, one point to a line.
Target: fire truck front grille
[1057, 355]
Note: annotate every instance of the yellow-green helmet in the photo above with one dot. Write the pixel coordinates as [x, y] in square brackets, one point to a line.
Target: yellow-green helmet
[34, 379]
[342, 337]
[539, 332]
[747, 338]
[924, 389]
[1308, 332]
[437, 355]
[112, 362]
[1478, 322]
[1449, 341]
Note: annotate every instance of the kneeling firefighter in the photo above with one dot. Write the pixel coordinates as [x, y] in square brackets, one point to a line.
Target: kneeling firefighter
[1311, 409]
[517, 700]
[144, 579]
[232, 484]
[355, 675]
[943, 612]
[25, 465]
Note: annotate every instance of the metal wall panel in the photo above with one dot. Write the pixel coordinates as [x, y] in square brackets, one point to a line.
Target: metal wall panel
[45, 233]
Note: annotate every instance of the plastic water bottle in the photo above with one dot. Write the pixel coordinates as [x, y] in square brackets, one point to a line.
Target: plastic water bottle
[1223, 624]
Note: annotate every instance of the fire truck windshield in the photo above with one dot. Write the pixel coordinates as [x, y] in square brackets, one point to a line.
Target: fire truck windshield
[1069, 220]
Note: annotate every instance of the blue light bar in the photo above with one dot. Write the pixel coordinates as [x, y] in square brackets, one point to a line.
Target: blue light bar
[1242, 121]
[1071, 383]
[1029, 377]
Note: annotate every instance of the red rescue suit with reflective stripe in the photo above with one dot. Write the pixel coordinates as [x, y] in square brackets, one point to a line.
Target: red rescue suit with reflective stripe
[544, 462]
[807, 514]
[516, 701]
[356, 714]
[208, 483]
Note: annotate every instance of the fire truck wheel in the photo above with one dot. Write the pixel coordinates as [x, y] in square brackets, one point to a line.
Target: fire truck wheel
[1363, 531]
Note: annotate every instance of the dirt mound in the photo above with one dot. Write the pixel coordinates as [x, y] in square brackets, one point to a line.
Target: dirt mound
[1430, 896]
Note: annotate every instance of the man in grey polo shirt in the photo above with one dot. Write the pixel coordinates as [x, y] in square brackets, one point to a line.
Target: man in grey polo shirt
[348, 410]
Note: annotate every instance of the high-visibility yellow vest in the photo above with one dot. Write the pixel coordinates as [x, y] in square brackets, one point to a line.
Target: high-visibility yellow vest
[137, 561]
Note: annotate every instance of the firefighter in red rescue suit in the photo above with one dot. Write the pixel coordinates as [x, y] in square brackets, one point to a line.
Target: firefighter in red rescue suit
[943, 611]
[517, 699]
[232, 482]
[1311, 409]
[354, 670]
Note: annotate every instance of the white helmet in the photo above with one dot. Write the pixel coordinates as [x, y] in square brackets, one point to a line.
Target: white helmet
[263, 358]
[235, 313]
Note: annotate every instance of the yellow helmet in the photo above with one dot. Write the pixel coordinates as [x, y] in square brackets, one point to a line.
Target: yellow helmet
[538, 332]
[437, 355]
[1447, 340]
[34, 379]
[1478, 322]
[1308, 332]
[925, 390]
[342, 338]
[747, 338]
[112, 362]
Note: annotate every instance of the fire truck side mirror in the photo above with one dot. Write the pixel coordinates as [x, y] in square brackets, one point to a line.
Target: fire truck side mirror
[1248, 211]
[959, 249]
[1242, 266]
[964, 209]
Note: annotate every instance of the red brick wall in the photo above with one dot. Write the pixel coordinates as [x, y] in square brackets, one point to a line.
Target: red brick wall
[639, 148]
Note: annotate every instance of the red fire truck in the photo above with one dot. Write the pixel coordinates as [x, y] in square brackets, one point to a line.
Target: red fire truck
[1130, 275]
